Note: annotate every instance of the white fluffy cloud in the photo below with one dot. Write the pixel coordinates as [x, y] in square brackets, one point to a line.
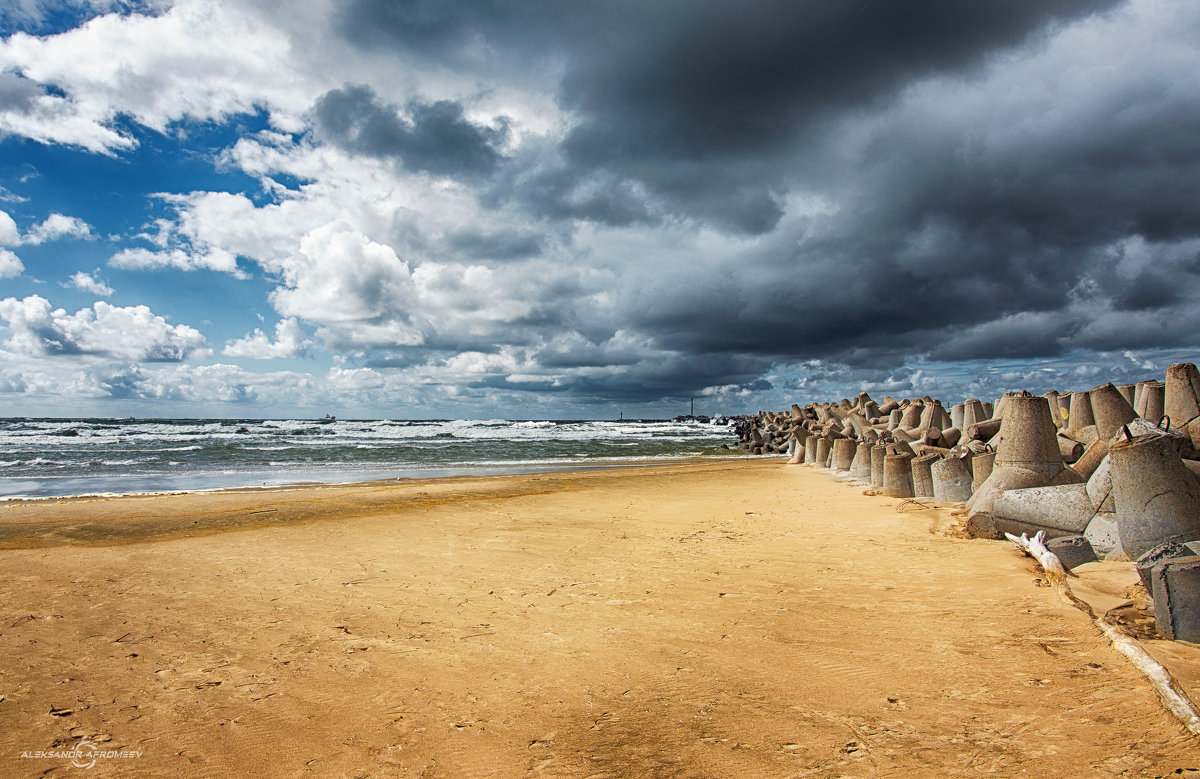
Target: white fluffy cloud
[393, 261]
[358, 288]
[130, 333]
[89, 282]
[58, 226]
[145, 259]
[10, 264]
[54, 227]
[290, 341]
[9, 234]
[199, 60]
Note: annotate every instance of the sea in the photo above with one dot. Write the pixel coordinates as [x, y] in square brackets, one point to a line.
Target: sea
[43, 458]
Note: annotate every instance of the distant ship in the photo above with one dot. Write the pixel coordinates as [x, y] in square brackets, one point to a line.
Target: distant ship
[327, 420]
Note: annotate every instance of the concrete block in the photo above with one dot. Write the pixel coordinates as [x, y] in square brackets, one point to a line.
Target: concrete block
[810, 449]
[1099, 486]
[1110, 410]
[1105, 537]
[878, 455]
[1168, 551]
[824, 451]
[844, 450]
[922, 474]
[1059, 510]
[898, 476]
[1072, 551]
[1181, 400]
[951, 480]
[1156, 497]
[860, 467]
[981, 469]
[1176, 591]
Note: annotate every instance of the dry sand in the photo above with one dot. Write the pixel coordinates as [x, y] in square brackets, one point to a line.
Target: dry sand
[717, 619]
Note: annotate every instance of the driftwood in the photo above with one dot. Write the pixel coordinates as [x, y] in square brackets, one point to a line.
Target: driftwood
[1036, 548]
[1169, 691]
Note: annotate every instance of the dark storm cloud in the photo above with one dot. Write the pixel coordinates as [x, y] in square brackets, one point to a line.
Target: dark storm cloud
[676, 376]
[701, 105]
[694, 100]
[558, 193]
[995, 236]
[435, 138]
[505, 244]
[955, 230]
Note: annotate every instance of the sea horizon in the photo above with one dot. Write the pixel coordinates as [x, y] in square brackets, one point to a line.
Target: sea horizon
[62, 457]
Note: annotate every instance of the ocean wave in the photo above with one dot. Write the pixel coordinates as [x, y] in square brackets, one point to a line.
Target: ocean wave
[132, 455]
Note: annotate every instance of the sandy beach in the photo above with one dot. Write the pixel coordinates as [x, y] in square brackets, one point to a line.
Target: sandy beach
[731, 618]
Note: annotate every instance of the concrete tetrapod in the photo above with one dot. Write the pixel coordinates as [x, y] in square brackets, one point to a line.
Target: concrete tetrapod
[1055, 412]
[1027, 456]
[1099, 486]
[985, 430]
[844, 450]
[1090, 460]
[827, 460]
[1081, 414]
[1151, 405]
[1069, 449]
[1181, 400]
[922, 475]
[1126, 391]
[1156, 497]
[973, 412]
[898, 476]
[911, 419]
[1105, 538]
[956, 415]
[860, 468]
[878, 454]
[1193, 432]
[821, 460]
[951, 480]
[1001, 407]
[981, 468]
[1060, 510]
[1064, 407]
[797, 450]
[1109, 409]
[1139, 397]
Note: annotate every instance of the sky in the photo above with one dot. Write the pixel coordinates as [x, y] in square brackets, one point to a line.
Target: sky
[547, 209]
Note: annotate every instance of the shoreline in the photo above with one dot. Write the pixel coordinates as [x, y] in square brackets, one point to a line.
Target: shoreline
[367, 476]
[735, 618]
[154, 516]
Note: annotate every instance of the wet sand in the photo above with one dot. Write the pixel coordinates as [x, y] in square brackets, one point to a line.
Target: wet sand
[717, 619]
